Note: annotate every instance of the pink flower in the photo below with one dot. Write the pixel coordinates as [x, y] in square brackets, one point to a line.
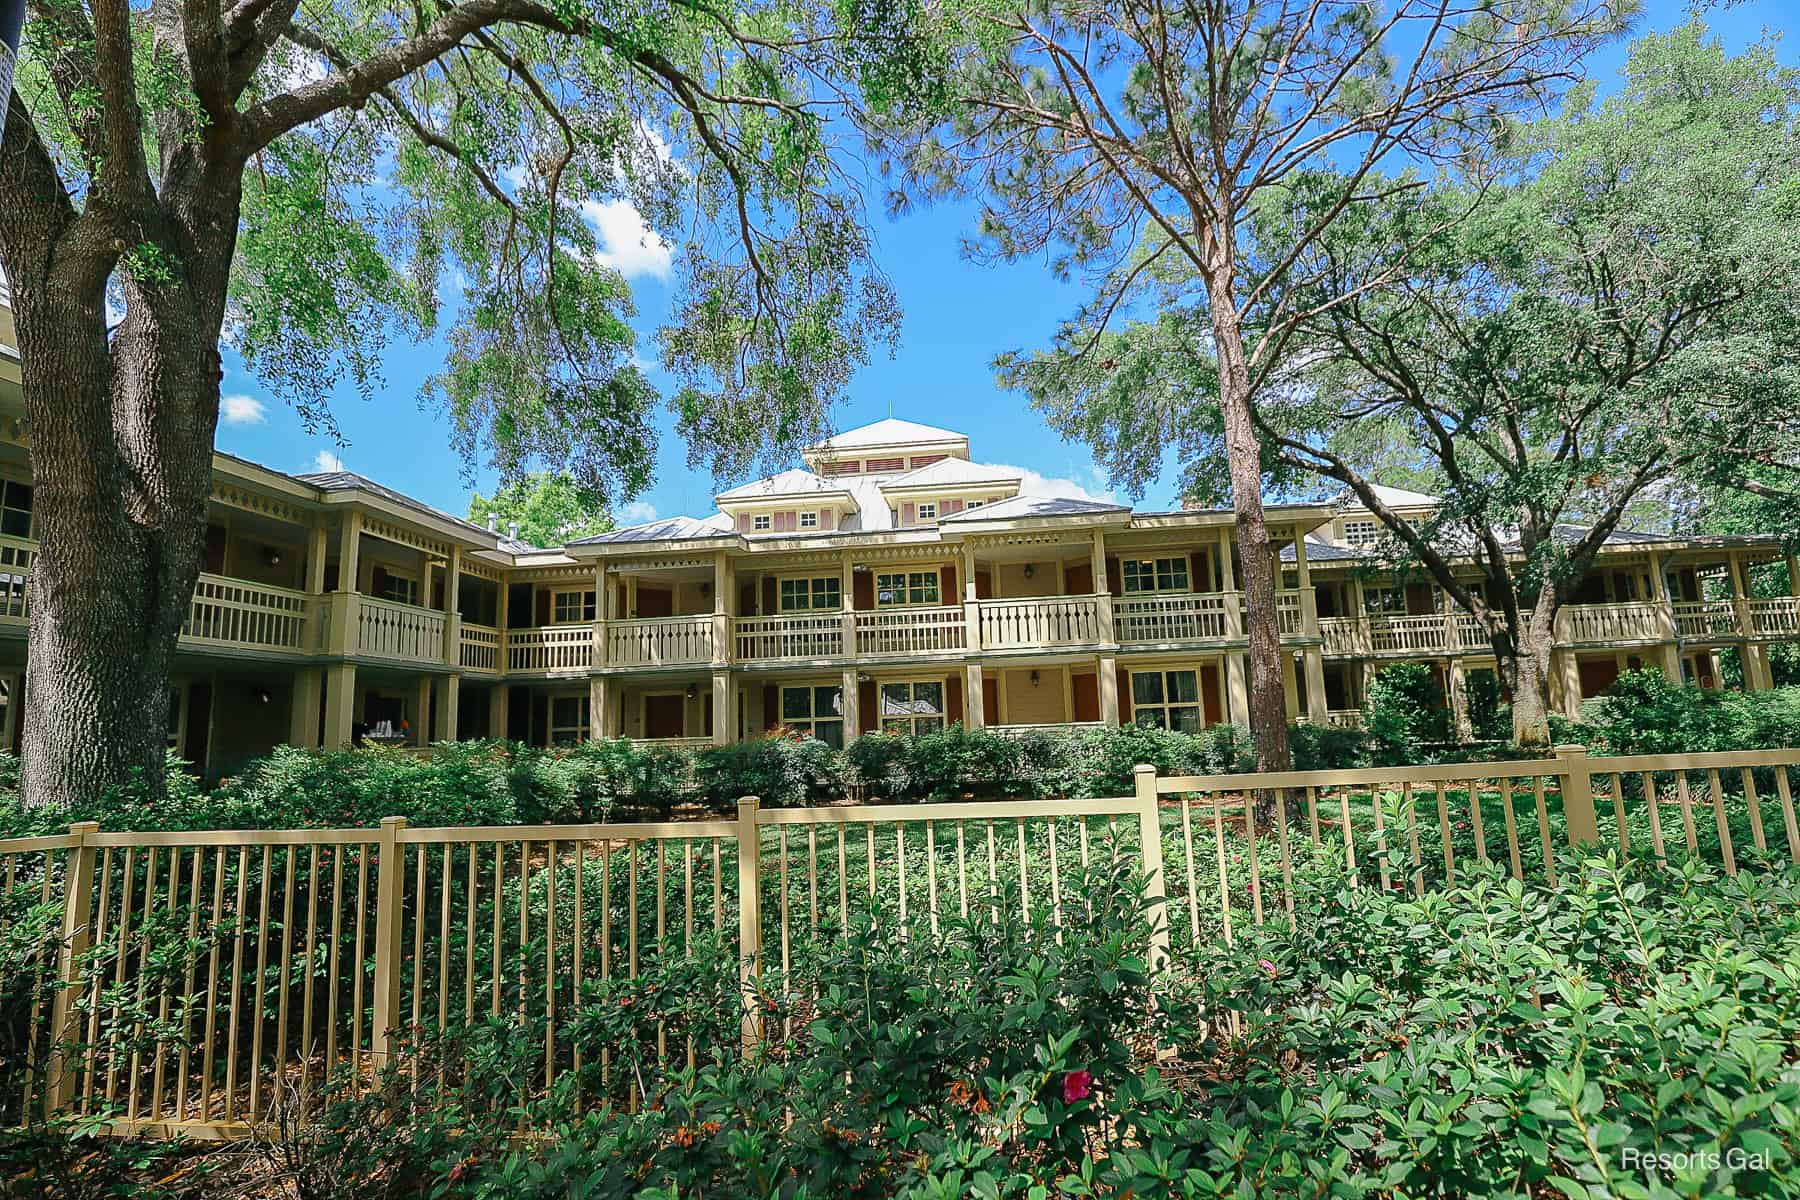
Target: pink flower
[1078, 1085]
[1268, 966]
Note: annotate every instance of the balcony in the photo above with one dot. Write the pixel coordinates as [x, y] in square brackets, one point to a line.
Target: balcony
[1041, 623]
[1195, 617]
[659, 641]
[902, 631]
[478, 648]
[1618, 624]
[236, 614]
[550, 649]
[1777, 618]
[793, 637]
[403, 632]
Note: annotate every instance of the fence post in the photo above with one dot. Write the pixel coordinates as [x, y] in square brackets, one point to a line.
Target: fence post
[390, 884]
[749, 917]
[1150, 838]
[1578, 796]
[77, 936]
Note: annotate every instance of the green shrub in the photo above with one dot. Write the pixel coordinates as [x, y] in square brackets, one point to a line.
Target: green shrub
[1405, 712]
[1644, 713]
[783, 772]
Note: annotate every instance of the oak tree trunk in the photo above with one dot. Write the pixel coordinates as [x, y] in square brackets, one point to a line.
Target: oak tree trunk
[1528, 671]
[1268, 700]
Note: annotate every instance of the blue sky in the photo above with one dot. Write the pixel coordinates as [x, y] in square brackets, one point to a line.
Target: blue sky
[958, 316]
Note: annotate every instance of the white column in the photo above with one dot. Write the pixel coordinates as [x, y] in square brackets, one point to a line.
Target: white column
[422, 715]
[852, 710]
[1313, 658]
[303, 720]
[1107, 680]
[497, 697]
[724, 712]
[443, 722]
[340, 704]
[974, 699]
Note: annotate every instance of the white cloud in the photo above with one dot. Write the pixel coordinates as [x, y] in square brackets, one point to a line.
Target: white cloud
[1035, 483]
[325, 460]
[638, 512]
[626, 242]
[239, 409]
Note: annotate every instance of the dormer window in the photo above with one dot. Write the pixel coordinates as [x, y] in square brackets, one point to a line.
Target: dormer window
[1361, 533]
[809, 520]
[928, 511]
[762, 523]
[973, 504]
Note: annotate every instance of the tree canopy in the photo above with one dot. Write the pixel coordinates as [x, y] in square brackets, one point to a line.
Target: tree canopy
[546, 509]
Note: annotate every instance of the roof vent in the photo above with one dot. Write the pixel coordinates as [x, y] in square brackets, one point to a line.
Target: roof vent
[512, 530]
[493, 522]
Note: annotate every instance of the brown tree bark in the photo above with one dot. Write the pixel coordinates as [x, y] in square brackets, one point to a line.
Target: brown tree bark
[1268, 701]
[1529, 670]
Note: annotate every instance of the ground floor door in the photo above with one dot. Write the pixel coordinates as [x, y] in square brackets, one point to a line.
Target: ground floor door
[664, 716]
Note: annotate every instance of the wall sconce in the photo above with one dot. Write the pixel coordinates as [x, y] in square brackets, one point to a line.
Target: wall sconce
[1030, 570]
[272, 556]
[260, 695]
[1034, 678]
[693, 689]
[864, 677]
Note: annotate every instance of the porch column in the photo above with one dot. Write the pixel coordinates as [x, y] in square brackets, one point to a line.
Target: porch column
[1108, 681]
[497, 697]
[453, 617]
[1740, 597]
[852, 707]
[1459, 699]
[1793, 569]
[422, 717]
[315, 559]
[340, 704]
[1103, 601]
[971, 610]
[1757, 675]
[721, 626]
[303, 721]
[1237, 688]
[600, 698]
[1668, 648]
[602, 615]
[1565, 683]
[1290, 688]
[847, 603]
[1309, 603]
[345, 601]
[974, 700]
[724, 711]
[443, 717]
[1313, 658]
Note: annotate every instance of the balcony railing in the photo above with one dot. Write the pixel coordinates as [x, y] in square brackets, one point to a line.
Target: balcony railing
[1290, 615]
[387, 629]
[1699, 619]
[550, 648]
[252, 616]
[659, 641]
[1606, 624]
[1778, 617]
[1204, 616]
[16, 557]
[765, 639]
[911, 631]
[1426, 634]
[1047, 621]
[479, 647]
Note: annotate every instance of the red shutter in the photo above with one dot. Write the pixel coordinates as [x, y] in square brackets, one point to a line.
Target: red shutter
[867, 718]
[1213, 713]
[771, 603]
[771, 706]
[827, 518]
[1114, 578]
[747, 600]
[990, 698]
[1124, 678]
[862, 590]
[743, 523]
[1080, 579]
[947, 579]
[542, 609]
[950, 506]
[953, 702]
[984, 586]
[1198, 579]
[1085, 690]
[907, 514]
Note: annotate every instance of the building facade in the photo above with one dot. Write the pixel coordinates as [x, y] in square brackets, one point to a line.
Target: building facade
[890, 582]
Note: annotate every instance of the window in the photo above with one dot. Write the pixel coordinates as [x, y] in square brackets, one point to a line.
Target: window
[570, 608]
[809, 520]
[568, 720]
[1361, 533]
[1389, 601]
[824, 594]
[1166, 700]
[928, 511]
[973, 504]
[762, 522]
[908, 587]
[912, 707]
[1155, 575]
[15, 509]
[818, 711]
[400, 589]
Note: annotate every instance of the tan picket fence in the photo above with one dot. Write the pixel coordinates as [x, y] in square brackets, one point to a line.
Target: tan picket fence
[241, 973]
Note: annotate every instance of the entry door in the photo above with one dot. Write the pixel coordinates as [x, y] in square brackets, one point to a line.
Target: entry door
[664, 717]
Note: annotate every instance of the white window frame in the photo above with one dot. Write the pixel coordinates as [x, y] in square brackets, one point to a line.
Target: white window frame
[814, 721]
[968, 504]
[409, 588]
[913, 723]
[552, 728]
[762, 523]
[1387, 601]
[815, 584]
[586, 606]
[809, 520]
[1157, 584]
[906, 588]
[1167, 707]
[925, 510]
[1361, 532]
